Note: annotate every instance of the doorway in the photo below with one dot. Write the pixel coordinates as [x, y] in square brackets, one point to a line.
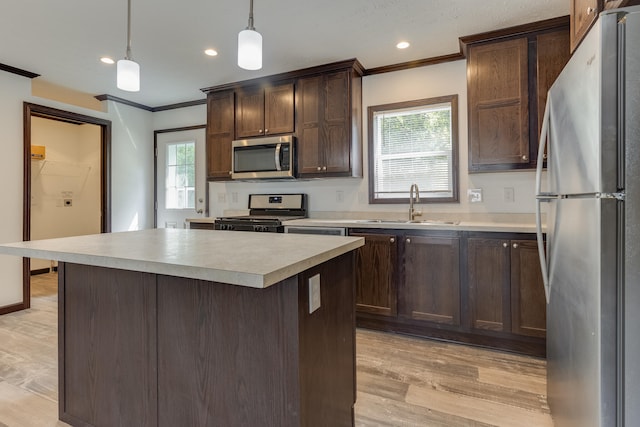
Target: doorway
[66, 180]
[180, 176]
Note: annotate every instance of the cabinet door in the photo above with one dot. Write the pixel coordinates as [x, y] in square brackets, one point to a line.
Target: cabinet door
[309, 117]
[220, 126]
[528, 304]
[553, 54]
[498, 105]
[250, 113]
[583, 14]
[278, 109]
[337, 142]
[432, 279]
[375, 274]
[489, 293]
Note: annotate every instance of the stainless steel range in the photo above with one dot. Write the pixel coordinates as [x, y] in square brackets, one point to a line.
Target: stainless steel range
[267, 213]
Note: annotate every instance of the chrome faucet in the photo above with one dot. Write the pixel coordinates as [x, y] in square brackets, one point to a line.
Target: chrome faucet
[412, 212]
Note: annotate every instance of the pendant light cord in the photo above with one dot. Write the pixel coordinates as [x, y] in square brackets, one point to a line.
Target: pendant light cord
[128, 55]
[250, 26]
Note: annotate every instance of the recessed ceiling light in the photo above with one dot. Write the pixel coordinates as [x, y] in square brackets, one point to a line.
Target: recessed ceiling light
[107, 60]
[402, 45]
[211, 52]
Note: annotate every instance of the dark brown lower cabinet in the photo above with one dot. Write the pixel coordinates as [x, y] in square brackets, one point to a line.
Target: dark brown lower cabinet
[528, 306]
[432, 279]
[376, 265]
[488, 275]
[471, 287]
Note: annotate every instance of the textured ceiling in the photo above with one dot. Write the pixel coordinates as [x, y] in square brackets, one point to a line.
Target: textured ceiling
[62, 40]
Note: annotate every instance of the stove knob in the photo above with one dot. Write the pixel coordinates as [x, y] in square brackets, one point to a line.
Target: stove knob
[261, 228]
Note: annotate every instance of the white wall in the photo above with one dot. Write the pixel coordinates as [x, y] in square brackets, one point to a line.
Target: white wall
[72, 165]
[131, 170]
[182, 117]
[14, 90]
[352, 194]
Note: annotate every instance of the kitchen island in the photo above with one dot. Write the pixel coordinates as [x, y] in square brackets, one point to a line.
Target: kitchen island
[189, 327]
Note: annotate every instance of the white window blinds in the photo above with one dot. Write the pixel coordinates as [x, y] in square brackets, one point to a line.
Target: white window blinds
[413, 145]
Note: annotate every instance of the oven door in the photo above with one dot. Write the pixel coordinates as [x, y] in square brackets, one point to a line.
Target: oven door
[262, 158]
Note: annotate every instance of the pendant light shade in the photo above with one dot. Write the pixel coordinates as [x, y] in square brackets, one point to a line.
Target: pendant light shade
[128, 75]
[128, 72]
[250, 45]
[250, 50]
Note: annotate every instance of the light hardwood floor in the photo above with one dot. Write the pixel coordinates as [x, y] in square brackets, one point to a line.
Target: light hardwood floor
[402, 381]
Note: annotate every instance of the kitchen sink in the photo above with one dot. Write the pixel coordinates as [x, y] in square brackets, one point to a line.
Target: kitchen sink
[401, 221]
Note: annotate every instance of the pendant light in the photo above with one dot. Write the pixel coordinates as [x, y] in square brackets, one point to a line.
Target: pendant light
[250, 45]
[128, 74]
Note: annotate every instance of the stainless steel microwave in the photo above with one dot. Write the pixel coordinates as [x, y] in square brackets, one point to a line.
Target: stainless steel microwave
[270, 157]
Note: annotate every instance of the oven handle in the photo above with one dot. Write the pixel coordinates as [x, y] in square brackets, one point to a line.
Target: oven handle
[277, 155]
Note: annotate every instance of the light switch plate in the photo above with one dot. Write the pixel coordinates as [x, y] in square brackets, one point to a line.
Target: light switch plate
[314, 293]
[474, 195]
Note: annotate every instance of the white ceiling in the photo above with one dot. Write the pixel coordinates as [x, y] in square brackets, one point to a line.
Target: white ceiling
[62, 40]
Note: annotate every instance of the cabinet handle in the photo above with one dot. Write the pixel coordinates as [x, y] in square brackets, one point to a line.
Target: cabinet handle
[515, 246]
[266, 131]
[319, 168]
[260, 131]
[544, 156]
[392, 240]
[590, 10]
[408, 240]
[505, 245]
[525, 157]
[324, 168]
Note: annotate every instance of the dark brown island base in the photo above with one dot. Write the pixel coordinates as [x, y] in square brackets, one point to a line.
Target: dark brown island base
[139, 347]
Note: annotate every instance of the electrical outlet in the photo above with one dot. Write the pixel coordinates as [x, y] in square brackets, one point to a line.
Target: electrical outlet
[340, 196]
[509, 195]
[68, 203]
[474, 195]
[314, 293]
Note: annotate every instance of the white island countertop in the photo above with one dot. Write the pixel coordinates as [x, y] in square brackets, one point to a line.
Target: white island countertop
[255, 260]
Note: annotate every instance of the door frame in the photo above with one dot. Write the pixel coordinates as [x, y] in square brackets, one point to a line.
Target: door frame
[155, 170]
[34, 110]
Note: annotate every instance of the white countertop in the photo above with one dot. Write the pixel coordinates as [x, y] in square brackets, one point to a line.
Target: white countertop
[255, 260]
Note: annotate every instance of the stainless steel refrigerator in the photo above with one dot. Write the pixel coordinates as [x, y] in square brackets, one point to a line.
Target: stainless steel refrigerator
[591, 263]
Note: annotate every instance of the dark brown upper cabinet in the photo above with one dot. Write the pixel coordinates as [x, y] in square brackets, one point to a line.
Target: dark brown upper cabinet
[264, 111]
[321, 106]
[585, 12]
[498, 104]
[583, 15]
[508, 75]
[220, 128]
[329, 125]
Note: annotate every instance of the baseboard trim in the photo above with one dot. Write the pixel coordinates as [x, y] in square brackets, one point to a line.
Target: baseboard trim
[12, 308]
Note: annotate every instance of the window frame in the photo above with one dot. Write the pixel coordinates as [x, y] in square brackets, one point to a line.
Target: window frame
[455, 152]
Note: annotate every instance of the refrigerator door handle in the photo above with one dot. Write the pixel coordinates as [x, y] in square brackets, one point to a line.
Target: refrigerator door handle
[541, 252]
[540, 197]
[544, 136]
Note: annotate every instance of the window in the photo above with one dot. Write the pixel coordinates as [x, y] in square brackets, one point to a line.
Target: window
[180, 176]
[414, 142]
